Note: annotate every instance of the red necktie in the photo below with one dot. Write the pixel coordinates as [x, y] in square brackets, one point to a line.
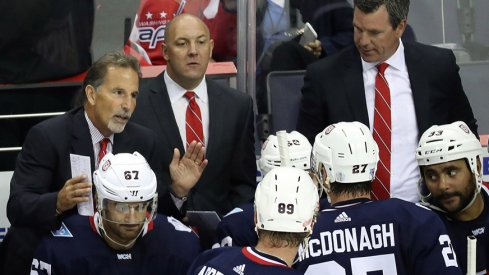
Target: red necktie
[103, 149]
[193, 120]
[382, 135]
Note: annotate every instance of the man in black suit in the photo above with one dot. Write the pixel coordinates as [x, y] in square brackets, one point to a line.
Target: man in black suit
[425, 87]
[42, 189]
[226, 115]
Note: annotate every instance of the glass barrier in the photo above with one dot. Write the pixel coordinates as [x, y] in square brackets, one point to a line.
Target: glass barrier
[461, 25]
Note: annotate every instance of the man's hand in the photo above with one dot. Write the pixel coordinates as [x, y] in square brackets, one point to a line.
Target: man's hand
[74, 191]
[185, 172]
[314, 47]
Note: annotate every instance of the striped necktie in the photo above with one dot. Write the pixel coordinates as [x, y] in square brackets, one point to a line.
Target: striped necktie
[382, 135]
[193, 120]
[103, 149]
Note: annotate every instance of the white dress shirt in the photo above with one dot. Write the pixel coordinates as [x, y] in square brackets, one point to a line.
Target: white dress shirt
[404, 168]
[96, 139]
[179, 105]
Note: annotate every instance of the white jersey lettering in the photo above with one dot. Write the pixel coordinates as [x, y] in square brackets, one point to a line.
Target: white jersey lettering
[350, 239]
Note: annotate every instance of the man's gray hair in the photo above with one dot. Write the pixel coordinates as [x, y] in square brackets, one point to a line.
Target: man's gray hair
[97, 72]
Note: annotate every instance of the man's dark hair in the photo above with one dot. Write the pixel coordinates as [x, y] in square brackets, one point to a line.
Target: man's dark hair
[397, 9]
[96, 74]
[356, 189]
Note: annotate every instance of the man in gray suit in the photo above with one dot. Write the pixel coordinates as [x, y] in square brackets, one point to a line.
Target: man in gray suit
[226, 122]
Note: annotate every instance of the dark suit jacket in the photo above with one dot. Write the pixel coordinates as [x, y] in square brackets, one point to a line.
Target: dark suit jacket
[43, 167]
[333, 90]
[331, 19]
[230, 177]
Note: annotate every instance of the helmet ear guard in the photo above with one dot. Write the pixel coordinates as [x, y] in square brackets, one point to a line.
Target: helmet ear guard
[423, 191]
[318, 175]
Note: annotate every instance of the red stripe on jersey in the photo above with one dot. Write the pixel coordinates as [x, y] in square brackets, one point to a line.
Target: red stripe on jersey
[253, 256]
[150, 226]
[92, 224]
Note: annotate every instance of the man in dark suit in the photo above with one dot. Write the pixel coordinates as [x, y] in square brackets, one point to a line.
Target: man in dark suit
[425, 88]
[226, 120]
[42, 189]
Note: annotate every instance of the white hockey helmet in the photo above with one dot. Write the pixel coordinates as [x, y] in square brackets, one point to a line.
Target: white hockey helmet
[448, 142]
[286, 200]
[299, 152]
[347, 151]
[125, 178]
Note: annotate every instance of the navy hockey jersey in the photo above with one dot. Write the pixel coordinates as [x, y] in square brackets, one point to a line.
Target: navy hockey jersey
[239, 261]
[167, 247]
[459, 231]
[237, 228]
[378, 237]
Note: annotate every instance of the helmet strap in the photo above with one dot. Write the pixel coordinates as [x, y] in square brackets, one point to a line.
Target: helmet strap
[102, 232]
[478, 184]
[425, 200]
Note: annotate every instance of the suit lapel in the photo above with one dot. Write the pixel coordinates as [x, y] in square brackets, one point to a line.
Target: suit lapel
[82, 141]
[216, 119]
[355, 90]
[161, 105]
[419, 87]
[120, 143]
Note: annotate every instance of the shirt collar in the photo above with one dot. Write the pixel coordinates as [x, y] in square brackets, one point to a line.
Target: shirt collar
[396, 61]
[95, 133]
[175, 91]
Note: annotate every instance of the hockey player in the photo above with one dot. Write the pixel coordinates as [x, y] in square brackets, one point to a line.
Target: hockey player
[299, 152]
[237, 227]
[359, 236]
[125, 236]
[286, 202]
[449, 157]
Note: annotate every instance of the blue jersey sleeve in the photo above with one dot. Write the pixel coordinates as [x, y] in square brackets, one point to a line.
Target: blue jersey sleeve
[431, 250]
[53, 253]
[179, 239]
[237, 228]
[202, 259]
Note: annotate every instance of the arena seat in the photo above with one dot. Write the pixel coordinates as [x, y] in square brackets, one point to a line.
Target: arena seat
[284, 96]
